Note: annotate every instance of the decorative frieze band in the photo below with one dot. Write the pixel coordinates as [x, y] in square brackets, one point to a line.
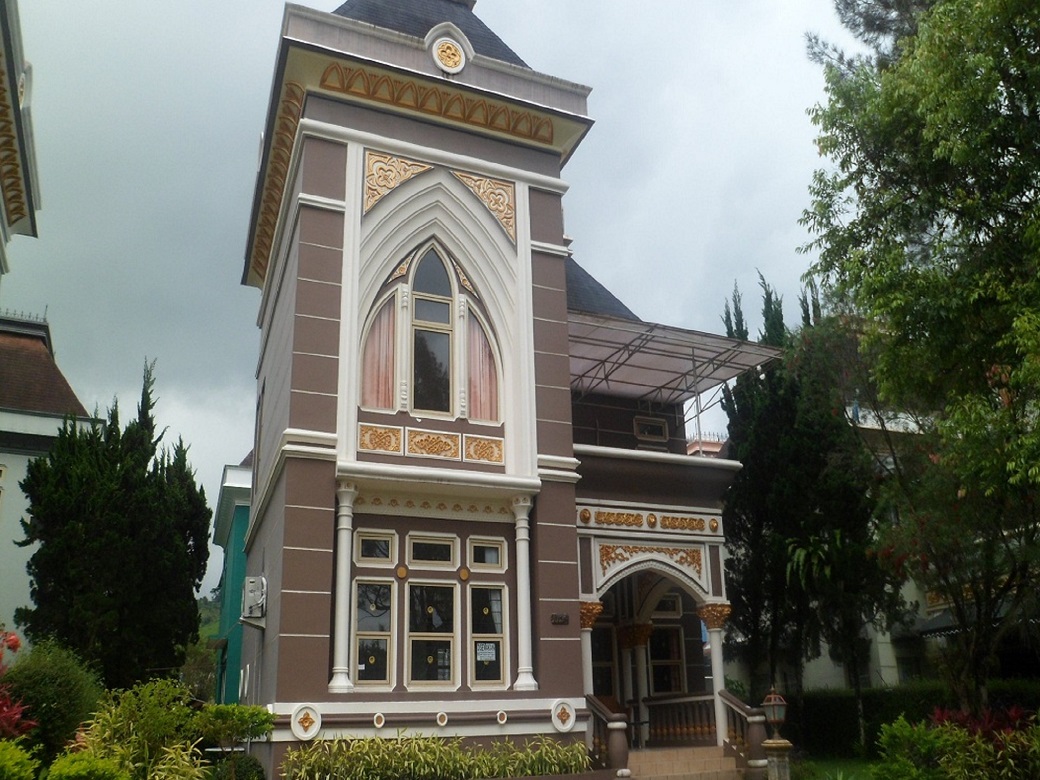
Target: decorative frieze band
[630, 519]
[423, 443]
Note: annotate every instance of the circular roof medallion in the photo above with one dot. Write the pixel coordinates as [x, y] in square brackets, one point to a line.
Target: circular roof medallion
[448, 55]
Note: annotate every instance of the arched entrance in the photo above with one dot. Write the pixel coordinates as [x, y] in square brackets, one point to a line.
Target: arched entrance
[652, 650]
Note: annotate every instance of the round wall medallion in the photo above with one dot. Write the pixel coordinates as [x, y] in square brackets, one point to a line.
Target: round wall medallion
[379, 720]
[305, 722]
[562, 715]
[585, 516]
[448, 55]
[502, 717]
[463, 574]
[442, 719]
[651, 520]
[402, 572]
[714, 524]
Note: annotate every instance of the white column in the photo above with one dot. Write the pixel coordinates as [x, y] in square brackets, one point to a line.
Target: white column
[590, 611]
[525, 665]
[714, 617]
[642, 636]
[341, 682]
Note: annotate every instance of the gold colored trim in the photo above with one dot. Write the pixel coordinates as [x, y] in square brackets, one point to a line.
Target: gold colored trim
[433, 100]
[634, 635]
[379, 438]
[611, 554]
[483, 449]
[714, 615]
[12, 181]
[499, 197]
[589, 612]
[449, 55]
[384, 172]
[289, 113]
[433, 445]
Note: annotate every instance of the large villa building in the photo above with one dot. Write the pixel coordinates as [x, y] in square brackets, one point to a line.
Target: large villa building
[472, 505]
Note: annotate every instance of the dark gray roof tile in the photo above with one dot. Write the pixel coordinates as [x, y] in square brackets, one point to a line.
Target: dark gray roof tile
[588, 296]
[417, 17]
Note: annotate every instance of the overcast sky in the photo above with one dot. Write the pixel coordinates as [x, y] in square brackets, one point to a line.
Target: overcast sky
[147, 118]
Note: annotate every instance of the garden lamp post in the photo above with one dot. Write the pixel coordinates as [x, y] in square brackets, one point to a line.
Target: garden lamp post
[778, 749]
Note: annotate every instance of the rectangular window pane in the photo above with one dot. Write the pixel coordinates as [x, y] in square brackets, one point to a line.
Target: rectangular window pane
[488, 554]
[431, 385]
[371, 659]
[378, 549]
[486, 610]
[432, 551]
[432, 311]
[373, 606]
[431, 659]
[487, 657]
[431, 609]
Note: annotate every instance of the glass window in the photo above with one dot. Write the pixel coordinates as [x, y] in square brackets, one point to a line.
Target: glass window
[486, 631]
[431, 277]
[373, 622]
[374, 548]
[431, 371]
[431, 627]
[487, 554]
[603, 661]
[433, 551]
[666, 659]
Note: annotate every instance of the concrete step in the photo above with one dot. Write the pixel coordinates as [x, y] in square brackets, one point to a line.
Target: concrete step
[683, 763]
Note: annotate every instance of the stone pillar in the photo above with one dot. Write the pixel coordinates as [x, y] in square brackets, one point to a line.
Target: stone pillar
[590, 611]
[341, 682]
[525, 680]
[778, 759]
[714, 617]
[636, 638]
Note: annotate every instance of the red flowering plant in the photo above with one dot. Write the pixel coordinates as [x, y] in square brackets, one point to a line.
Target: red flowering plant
[991, 725]
[13, 722]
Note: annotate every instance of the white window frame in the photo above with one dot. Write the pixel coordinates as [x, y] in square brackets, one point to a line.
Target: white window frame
[487, 541]
[390, 682]
[389, 536]
[432, 538]
[502, 638]
[454, 638]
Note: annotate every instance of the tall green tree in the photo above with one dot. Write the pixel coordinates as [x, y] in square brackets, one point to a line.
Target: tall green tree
[120, 529]
[927, 224]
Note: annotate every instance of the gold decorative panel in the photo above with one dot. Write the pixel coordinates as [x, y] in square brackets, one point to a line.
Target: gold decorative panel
[379, 438]
[12, 175]
[433, 445]
[484, 449]
[498, 196]
[289, 112]
[384, 172]
[610, 555]
[412, 95]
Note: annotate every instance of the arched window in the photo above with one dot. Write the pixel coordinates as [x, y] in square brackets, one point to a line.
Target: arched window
[427, 325]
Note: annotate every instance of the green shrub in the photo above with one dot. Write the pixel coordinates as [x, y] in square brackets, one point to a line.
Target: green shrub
[430, 758]
[917, 751]
[59, 693]
[225, 725]
[140, 727]
[239, 766]
[16, 763]
[84, 766]
[1012, 755]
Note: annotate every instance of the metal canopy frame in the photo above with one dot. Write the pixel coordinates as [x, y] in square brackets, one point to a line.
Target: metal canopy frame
[654, 363]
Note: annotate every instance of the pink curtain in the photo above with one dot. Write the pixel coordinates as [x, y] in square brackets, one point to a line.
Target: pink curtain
[377, 366]
[483, 376]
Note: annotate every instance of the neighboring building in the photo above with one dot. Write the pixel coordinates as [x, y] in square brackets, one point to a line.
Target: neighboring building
[230, 521]
[19, 184]
[472, 501]
[34, 399]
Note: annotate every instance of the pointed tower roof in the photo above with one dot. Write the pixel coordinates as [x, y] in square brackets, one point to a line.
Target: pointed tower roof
[418, 17]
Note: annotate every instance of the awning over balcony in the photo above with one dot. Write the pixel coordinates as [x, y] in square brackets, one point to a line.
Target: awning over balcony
[652, 362]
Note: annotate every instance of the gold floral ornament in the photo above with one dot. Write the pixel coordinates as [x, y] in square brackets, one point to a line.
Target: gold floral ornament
[449, 56]
[384, 173]
[498, 196]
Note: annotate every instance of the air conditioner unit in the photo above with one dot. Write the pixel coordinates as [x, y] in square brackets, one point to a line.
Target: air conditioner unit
[254, 598]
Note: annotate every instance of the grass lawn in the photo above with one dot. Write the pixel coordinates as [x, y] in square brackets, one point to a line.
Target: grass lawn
[825, 769]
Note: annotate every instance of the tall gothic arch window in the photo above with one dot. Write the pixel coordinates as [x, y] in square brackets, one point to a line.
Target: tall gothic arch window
[428, 325]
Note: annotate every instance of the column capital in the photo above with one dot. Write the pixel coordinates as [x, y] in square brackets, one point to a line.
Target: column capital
[635, 635]
[590, 611]
[346, 492]
[522, 507]
[714, 615]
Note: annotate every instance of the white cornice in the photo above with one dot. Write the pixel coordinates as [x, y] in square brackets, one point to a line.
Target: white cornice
[672, 459]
